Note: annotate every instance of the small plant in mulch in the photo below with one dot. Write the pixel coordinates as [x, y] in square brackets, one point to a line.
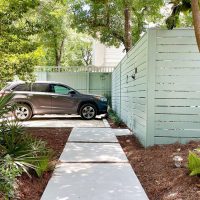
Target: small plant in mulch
[194, 162]
[115, 118]
[193, 158]
[19, 152]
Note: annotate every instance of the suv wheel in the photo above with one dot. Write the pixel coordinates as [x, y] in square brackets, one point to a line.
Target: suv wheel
[23, 112]
[88, 111]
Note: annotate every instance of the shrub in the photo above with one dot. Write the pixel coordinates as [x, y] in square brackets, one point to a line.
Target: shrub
[19, 152]
[193, 163]
[114, 117]
[8, 175]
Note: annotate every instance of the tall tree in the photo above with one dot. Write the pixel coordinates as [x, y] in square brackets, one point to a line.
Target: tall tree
[54, 16]
[196, 20]
[185, 7]
[62, 45]
[127, 26]
[115, 22]
[18, 50]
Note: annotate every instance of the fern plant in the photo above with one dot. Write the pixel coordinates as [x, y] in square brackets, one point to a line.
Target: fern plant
[193, 163]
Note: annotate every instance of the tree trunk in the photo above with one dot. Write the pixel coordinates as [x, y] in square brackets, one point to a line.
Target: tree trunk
[57, 59]
[59, 53]
[127, 29]
[196, 20]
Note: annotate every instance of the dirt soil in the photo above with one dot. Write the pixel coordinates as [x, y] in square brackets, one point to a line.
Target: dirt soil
[154, 166]
[56, 138]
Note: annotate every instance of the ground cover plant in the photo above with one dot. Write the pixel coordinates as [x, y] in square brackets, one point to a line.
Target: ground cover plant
[55, 138]
[194, 162]
[19, 152]
[114, 120]
[114, 117]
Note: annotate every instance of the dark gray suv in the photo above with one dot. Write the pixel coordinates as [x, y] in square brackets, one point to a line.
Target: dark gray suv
[41, 98]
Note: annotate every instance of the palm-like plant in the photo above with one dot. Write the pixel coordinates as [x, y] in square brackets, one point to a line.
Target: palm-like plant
[5, 107]
[19, 152]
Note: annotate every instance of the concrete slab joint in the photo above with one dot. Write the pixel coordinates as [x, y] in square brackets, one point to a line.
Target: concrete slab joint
[94, 167]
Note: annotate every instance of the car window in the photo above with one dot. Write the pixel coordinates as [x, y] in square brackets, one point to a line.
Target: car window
[40, 87]
[59, 89]
[22, 87]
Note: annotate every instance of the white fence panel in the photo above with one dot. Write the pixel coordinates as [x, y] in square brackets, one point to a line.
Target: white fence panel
[85, 80]
[156, 87]
[177, 98]
[129, 86]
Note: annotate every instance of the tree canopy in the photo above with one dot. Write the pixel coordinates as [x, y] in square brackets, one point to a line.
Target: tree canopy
[105, 19]
[62, 44]
[37, 33]
[18, 50]
[191, 10]
[56, 32]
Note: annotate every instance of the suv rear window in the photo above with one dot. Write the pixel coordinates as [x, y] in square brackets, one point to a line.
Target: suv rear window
[40, 87]
[22, 87]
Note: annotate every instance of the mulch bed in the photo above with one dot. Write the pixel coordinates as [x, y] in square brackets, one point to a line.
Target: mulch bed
[56, 138]
[154, 166]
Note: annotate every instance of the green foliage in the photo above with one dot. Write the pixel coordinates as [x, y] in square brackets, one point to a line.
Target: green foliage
[18, 50]
[105, 19]
[8, 175]
[19, 152]
[54, 16]
[62, 45]
[114, 117]
[193, 164]
[77, 49]
[42, 166]
[176, 19]
[4, 106]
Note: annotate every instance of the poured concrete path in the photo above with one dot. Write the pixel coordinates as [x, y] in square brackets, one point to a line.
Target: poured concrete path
[94, 167]
[48, 121]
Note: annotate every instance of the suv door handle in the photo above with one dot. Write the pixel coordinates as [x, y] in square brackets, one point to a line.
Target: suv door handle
[54, 97]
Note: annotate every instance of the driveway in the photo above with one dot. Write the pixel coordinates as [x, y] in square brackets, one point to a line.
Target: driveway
[63, 121]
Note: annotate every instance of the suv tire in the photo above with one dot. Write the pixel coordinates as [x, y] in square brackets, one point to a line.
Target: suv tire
[88, 111]
[23, 112]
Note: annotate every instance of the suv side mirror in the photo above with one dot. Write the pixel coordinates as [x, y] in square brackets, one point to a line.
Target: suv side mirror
[72, 92]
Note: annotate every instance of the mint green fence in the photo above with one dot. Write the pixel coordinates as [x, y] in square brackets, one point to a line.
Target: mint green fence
[156, 87]
[93, 80]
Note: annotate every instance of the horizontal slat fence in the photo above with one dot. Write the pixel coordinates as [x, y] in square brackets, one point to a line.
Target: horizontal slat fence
[91, 82]
[129, 93]
[162, 104]
[177, 96]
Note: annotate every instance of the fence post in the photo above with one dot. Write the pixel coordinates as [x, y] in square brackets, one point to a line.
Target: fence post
[151, 86]
[120, 92]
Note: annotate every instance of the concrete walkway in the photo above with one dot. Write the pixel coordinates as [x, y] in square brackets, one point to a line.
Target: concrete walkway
[94, 167]
[61, 121]
[49, 121]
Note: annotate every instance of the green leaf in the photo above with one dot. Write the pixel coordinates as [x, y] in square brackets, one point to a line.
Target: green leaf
[193, 164]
